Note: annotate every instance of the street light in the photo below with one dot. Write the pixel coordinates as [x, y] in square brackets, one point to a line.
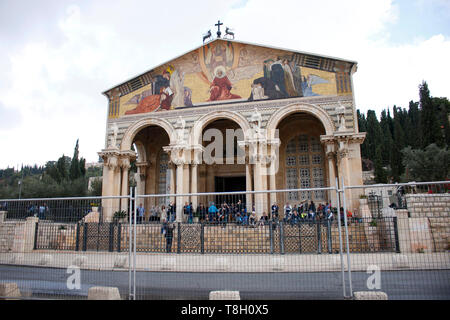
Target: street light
[20, 184]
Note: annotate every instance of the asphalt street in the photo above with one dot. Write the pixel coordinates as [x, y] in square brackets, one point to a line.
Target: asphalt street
[39, 282]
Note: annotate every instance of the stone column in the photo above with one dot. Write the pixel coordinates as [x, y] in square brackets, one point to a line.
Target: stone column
[110, 168]
[3, 216]
[272, 168]
[142, 175]
[404, 235]
[259, 197]
[125, 165]
[210, 181]
[249, 185]
[272, 186]
[172, 181]
[29, 235]
[179, 200]
[186, 181]
[342, 159]
[332, 176]
[194, 173]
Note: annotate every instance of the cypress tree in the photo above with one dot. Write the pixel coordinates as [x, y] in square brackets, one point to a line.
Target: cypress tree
[380, 172]
[442, 107]
[414, 129]
[399, 143]
[429, 124]
[75, 171]
[374, 136]
[362, 125]
[386, 146]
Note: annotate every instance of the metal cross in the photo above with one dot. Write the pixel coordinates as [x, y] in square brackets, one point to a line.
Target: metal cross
[218, 24]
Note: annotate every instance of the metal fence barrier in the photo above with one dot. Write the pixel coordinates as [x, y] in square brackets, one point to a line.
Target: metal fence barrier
[390, 238]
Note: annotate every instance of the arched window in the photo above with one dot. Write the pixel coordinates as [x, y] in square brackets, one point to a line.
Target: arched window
[164, 178]
[305, 168]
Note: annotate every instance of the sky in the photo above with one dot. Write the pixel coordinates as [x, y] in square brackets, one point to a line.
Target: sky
[58, 56]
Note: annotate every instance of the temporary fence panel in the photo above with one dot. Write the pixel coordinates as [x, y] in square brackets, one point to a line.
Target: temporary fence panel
[400, 246]
[58, 248]
[407, 237]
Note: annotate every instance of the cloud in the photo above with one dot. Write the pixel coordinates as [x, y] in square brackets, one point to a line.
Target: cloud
[9, 118]
[388, 73]
[57, 57]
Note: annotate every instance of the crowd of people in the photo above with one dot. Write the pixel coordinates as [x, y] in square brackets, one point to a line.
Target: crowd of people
[238, 213]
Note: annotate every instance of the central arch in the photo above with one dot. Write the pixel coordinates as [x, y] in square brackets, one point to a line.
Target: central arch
[203, 121]
[311, 109]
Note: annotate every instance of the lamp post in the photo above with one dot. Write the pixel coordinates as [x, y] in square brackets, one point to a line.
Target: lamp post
[20, 184]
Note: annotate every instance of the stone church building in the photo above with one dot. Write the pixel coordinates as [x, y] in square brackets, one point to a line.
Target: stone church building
[294, 114]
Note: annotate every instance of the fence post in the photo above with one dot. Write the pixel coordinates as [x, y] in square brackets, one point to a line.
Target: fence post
[271, 236]
[111, 236]
[85, 233]
[300, 236]
[35, 236]
[397, 243]
[329, 239]
[77, 239]
[319, 236]
[179, 238]
[202, 238]
[119, 236]
[281, 238]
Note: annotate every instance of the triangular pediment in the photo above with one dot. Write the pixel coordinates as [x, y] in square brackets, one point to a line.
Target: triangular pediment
[226, 71]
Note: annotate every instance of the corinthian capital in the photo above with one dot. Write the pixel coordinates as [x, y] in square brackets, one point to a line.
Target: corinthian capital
[342, 154]
[112, 161]
[125, 163]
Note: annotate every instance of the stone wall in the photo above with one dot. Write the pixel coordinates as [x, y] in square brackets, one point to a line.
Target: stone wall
[7, 235]
[428, 205]
[16, 236]
[440, 229]
[433, 211]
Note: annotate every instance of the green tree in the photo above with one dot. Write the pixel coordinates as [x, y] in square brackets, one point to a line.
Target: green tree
[414, 129]
[398, 144]
[380, 172]
[429, 123]
[362, 125]
[442, 107]
[75, 172]
[430, 164]
[386, 147]
[374, 137]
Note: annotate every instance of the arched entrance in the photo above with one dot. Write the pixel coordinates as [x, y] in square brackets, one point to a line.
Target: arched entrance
[223, 167]
[154, 174]
[302, 160]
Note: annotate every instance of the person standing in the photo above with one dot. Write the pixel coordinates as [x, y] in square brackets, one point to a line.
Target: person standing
[201, 212]
[141, 213]
[42, 210]
[287, 211]
[169, 236]
[275, 209]
[171, 212]
[212, 212]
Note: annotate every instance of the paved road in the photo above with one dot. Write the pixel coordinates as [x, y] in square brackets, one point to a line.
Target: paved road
[51, 282]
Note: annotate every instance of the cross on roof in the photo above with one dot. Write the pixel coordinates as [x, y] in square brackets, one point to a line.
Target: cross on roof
[218, 24]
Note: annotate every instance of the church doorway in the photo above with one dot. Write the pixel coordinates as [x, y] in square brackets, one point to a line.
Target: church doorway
[230, 184]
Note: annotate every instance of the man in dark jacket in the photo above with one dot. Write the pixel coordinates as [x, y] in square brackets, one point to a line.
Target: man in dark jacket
[169, 236]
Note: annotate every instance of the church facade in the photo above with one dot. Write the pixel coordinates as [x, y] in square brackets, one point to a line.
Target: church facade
[290, 116]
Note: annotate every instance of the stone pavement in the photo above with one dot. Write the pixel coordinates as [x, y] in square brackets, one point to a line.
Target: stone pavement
[227, 262]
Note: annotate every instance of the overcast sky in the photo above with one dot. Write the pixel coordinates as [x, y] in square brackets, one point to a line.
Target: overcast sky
[58, 56]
